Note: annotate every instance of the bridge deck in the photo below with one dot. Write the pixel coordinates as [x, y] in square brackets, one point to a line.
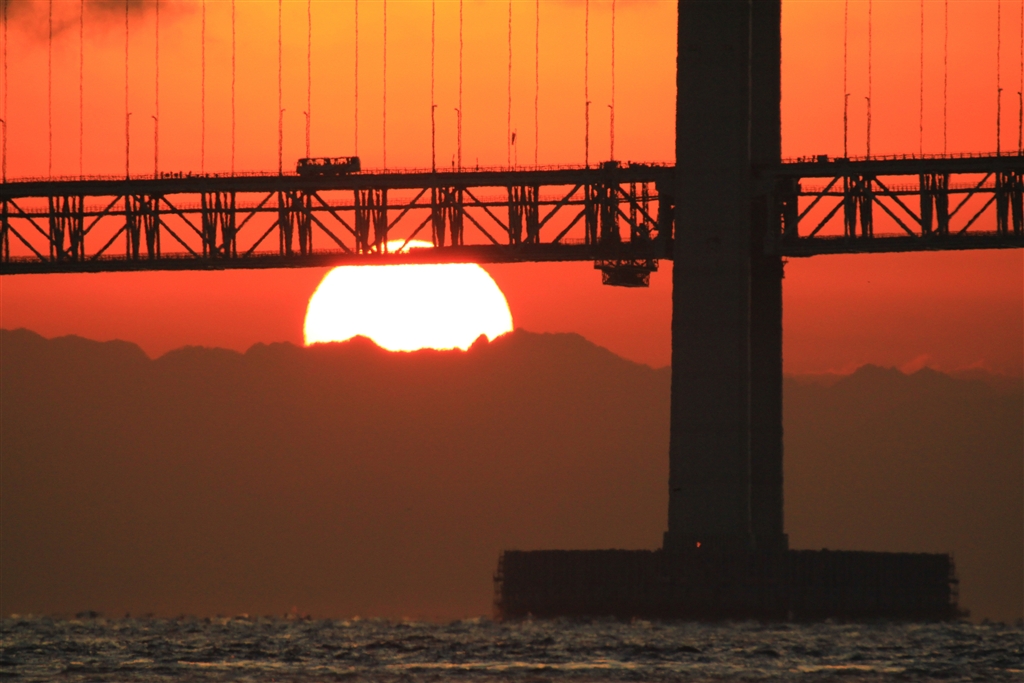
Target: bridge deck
[892, 204]
[620, 216]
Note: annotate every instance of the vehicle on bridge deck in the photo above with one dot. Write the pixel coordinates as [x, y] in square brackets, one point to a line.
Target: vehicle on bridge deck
[328, 166]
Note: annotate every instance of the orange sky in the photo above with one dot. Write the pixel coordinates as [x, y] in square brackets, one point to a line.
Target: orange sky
[947, 310]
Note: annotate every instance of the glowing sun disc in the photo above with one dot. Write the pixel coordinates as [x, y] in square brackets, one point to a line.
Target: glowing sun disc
[408, 307]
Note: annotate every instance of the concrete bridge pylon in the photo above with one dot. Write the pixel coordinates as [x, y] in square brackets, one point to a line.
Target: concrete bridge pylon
[725, 481]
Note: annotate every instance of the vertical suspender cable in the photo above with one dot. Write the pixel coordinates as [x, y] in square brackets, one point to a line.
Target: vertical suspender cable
[355, 101]
[81, 85]
[1020, 92]
[309, 71]
[508, 133]
[999, 81]
[945, 78]
[156, 96]
[3, 111]
[280, 95]
[459, 121]
[611, 123]
[870, 62]
[384, 118]
[536, 84]
[433, 106]
[127, 114]
[233, 68]
[49, 90]
[846, 88]
[920, 82]
[586, 84]
[202, 93]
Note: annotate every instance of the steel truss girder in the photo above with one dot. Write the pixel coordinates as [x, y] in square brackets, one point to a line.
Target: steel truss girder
[142, 221]
[447, 213]
[294, 217]
[935, 203]
[929, 204]
[226, 223]
[67, 228]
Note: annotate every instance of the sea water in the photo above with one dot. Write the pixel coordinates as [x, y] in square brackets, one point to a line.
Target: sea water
[267, 649]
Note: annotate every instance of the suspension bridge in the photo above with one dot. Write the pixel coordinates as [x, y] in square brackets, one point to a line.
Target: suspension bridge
[726, 213]
[619, 215]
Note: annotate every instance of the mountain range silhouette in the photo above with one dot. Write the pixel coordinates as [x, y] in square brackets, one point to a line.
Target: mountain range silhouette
[342, 479]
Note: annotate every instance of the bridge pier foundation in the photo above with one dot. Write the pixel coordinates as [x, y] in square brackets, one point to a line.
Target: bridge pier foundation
[725, 553]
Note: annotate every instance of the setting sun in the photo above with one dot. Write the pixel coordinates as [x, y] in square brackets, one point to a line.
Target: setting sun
[408, 307]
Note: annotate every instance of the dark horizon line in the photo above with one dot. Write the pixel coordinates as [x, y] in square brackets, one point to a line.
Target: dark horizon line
[823, 376]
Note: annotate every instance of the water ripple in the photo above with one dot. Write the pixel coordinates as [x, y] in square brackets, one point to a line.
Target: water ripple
[243, 649]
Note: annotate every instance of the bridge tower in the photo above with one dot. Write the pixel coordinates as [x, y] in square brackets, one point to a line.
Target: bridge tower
[725, 452]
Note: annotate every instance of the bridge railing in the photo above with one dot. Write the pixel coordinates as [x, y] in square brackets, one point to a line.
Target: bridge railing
[365, 173]
[825, 158]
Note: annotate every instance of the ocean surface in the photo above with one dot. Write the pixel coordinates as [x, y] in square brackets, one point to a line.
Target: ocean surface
[265, 649]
